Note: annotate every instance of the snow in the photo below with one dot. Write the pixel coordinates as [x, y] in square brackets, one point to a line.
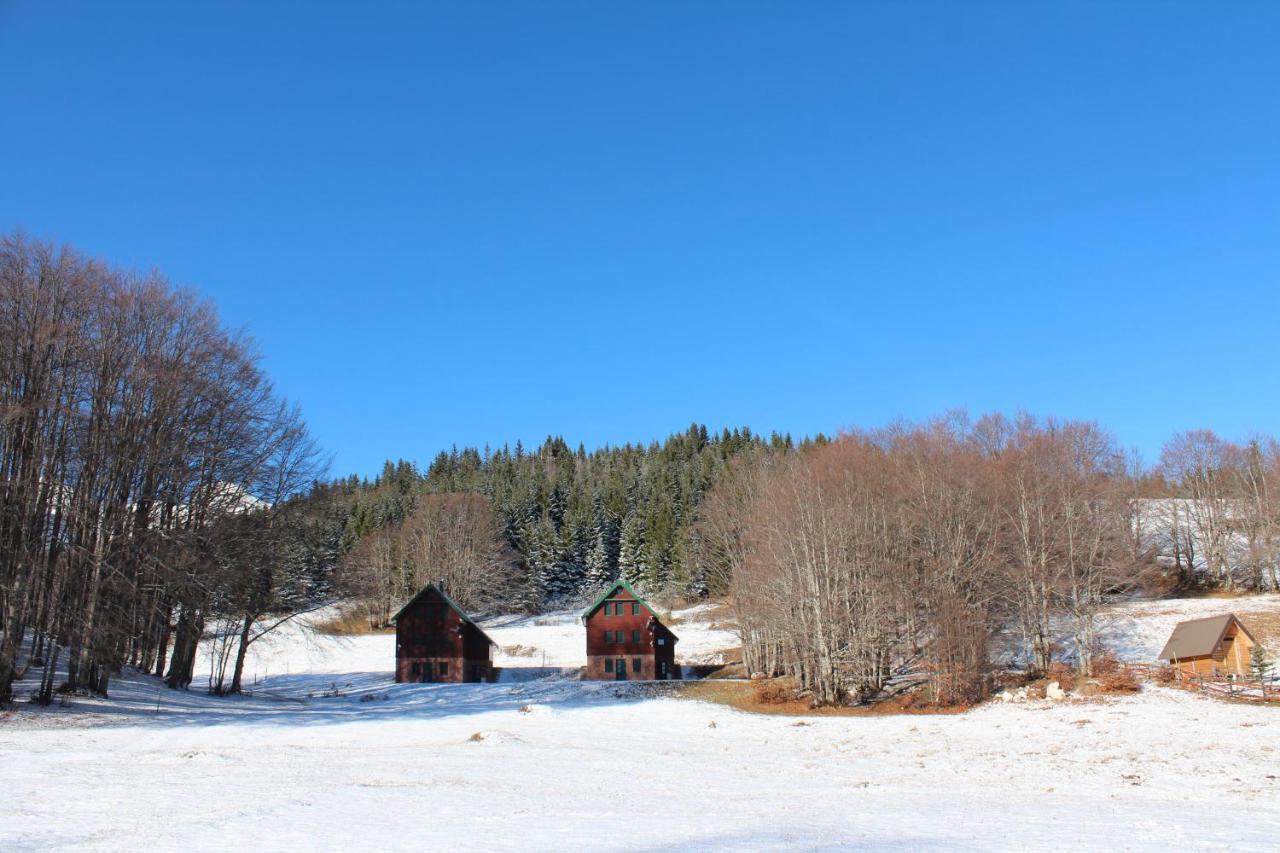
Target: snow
[551, 763]
[549, 644]
[1137, 630]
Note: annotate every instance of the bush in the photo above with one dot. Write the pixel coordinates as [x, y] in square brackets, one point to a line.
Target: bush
[776, 691]
[1061, 673]
[1119, 680]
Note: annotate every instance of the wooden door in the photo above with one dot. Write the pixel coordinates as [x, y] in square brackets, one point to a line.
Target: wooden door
[620, 669]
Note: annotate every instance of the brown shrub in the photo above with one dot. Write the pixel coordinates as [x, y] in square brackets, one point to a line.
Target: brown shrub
[1006, 679]
[1105, 664]
[1061, 673]
[1166, 675]
[776, 691]
[1120, 680]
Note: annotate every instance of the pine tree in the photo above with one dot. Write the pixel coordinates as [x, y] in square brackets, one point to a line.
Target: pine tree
[1259, 662]
[631, 550]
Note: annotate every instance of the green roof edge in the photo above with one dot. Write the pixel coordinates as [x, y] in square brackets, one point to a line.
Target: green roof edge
[610, 590]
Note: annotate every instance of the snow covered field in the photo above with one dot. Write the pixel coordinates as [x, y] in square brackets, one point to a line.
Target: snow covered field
[550, 763]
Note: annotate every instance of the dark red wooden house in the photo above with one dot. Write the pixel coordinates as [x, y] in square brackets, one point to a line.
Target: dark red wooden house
[626, 640]
[437, 641]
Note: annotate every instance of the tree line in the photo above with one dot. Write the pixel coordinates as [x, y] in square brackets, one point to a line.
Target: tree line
[547, 527]
[903, 552]
[146, 466]
[154, 494]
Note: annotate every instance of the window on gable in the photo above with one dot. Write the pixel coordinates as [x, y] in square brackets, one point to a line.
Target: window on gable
[608, 664]
[635, 608]
[662, 641]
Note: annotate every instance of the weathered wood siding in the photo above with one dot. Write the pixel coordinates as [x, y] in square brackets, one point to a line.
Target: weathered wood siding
[431, 634]
[644, 645]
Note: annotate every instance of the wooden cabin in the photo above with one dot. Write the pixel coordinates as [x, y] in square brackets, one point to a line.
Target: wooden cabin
[437, 641]
[1216, 645]
[626, 641]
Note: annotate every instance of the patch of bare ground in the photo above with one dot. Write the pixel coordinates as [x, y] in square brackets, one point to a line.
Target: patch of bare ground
[777, 698]
[718, 615]
[1264, 625]
[350, 623]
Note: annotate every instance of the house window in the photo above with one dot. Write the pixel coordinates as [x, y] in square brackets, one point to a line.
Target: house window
[635, 636]
[662, 641]
[444, 669]
[635, 664]
[635, 608]
[417, 669]
[617, 608]
[608, 664]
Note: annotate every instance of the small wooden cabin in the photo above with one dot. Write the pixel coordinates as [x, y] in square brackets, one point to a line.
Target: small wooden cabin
[437, 641]
[626, 641]
[1216, 645]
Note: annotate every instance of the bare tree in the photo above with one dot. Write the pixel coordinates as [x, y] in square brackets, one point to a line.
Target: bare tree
[131, 424]
[454, 540]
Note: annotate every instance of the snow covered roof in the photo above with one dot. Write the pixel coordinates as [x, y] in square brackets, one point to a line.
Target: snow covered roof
[447, 600]
[1199, 637]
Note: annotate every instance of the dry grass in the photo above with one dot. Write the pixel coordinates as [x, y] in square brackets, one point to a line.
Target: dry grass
[1264, 625]
[775, 691]
[350, 623]
[719, 615]
[745, 696]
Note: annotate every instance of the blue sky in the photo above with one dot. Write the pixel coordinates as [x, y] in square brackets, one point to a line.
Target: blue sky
[468, 223]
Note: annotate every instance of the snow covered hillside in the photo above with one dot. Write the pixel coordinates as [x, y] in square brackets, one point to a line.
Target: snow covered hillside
[328, 753]
[1136, 631]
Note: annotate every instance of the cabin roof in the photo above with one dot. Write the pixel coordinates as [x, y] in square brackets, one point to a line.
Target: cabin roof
[447, 600]
[620, 583]
[1199, 637]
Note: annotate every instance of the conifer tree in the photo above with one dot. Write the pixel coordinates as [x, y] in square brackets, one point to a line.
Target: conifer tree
[631, 550]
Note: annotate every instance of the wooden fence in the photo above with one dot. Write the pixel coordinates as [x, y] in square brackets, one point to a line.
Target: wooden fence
[1248, 688]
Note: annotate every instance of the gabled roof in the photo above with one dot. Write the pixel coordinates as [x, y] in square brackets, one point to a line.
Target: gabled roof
[610, 591]
[613, 588]
[447, 600]
[1199, 637]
